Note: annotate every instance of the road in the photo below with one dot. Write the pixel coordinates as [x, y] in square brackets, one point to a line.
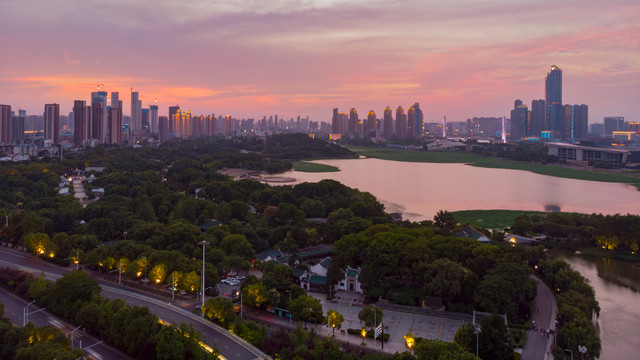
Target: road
[231, 347]
[13, 310]
[537, 346]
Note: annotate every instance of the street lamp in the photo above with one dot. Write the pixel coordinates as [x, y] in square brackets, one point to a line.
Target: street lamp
[582, 350]
[571, 352]
[25, 318]
[71, 336]
[203, 243]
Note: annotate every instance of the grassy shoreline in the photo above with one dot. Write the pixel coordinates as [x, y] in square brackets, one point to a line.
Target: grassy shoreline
[493, 162]
[491, 219]
[304, 166]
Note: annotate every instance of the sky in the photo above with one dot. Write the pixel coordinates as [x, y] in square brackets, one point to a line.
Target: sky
[459, 58]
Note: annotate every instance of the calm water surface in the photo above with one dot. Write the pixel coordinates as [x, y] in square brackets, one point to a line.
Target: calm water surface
[419, 190]
[616, 284]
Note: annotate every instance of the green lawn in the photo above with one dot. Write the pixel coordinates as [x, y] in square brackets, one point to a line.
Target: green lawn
[491, 219]
[313, 167]
[492, 162]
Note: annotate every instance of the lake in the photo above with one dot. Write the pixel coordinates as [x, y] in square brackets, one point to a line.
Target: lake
[616, 284]
[419, 190]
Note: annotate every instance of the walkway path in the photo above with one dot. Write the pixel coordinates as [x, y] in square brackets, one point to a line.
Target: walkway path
[538, 346]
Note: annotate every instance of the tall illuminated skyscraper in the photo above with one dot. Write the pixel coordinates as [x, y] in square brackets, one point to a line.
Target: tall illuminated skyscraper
[353, 122]
[153, 118]
[553, 99]
[52, 122]
[372, 123]
[538, 117]
[172, 111]
[519, 120]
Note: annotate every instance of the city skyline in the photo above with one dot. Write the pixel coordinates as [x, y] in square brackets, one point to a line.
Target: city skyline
[460, 59]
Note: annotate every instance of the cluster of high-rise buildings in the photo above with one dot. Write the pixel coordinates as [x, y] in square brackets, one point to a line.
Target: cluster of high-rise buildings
[407, 125]
[550, 118]
[101, 121]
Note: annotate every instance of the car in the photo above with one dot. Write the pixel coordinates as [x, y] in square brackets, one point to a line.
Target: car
[234, 283]
[240, 277]
[232, 273]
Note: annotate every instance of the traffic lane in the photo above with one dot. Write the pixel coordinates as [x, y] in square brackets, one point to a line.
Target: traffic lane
[231, 348]
[13, 310]
[537, 343]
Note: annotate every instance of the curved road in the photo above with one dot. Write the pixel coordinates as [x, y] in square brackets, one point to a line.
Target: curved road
[537, 346]
[231, 347]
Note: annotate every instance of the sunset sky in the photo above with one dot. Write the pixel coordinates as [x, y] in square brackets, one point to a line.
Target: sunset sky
[458, 58]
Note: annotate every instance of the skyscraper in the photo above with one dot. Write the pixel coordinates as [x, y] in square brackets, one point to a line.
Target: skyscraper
[411, 122]
[52, 122]
[172, 111]
[372, 123]
[115, 100]
[98, 128]
[335, 122]
[401, 123]
[153, 118]
[5, 124]
[388, 123]
[419, 120]
[519, 120]
[580, 121]
[114, 125]
[538, 116]
[553, 98]
[136, 111]
[81, 117]
[163, 128]
[352, 127]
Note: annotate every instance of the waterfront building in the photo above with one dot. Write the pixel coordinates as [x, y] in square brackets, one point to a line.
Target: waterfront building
[419, 120]
[411, 122]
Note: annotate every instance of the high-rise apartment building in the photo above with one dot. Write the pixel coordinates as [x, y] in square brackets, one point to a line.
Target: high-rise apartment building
[79, 118]
[163, 128]
[388, 123]
[52, 122]
[372, 123]
[115, 100]
[5, 124]
[411, 122]
[136, 111]
[419, 120]
[98, 127]
[153, 118]
[553, 99]
[114, 125]
[172, 111]
[352, 126]
[401, 123]
[18, 123]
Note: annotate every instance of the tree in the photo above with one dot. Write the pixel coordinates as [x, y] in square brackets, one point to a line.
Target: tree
[40, 244]
[254, 294]
[73, 287]
[436, 349]
[494, 338]
[190, 281]
[371, 316]
[306, 308]
[445, 221]
[466, 337]
[220, 310]
[335, 320]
